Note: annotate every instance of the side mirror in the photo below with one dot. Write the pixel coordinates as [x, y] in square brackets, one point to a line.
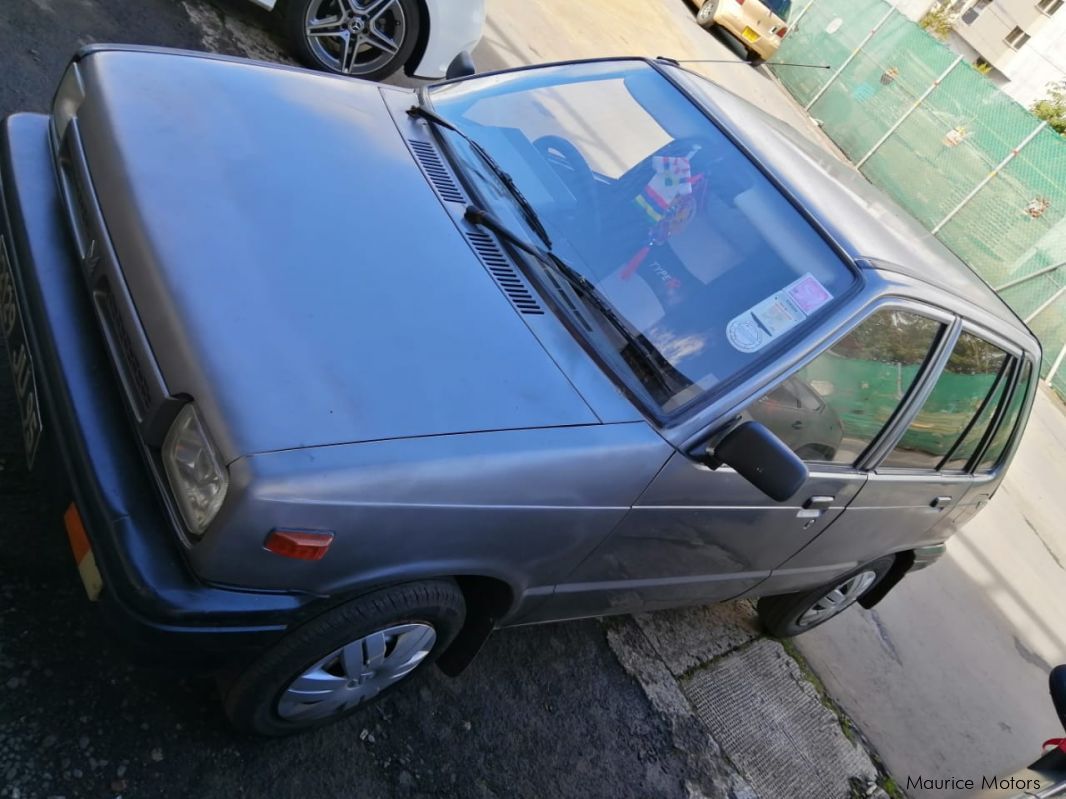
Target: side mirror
[462, 66]
[762, 459]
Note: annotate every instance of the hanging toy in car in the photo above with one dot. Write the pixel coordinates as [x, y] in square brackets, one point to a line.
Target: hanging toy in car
[668, 200]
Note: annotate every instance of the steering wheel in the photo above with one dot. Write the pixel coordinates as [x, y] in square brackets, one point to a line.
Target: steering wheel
[571, 166]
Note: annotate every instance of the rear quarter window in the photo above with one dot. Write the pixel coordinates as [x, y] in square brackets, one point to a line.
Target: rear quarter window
[1002, 437]
[959, 394]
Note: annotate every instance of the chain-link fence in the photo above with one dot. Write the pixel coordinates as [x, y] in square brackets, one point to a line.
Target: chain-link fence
[977, 169]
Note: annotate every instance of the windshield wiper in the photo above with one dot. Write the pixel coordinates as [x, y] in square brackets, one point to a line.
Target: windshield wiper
[528, 211]
[650, 358]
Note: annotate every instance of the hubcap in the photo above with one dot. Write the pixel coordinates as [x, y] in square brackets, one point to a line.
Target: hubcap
[356, 672]
[355, 37]
[706, 12]
[841, 597]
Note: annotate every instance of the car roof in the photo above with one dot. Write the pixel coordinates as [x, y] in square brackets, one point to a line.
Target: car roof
[865, 222]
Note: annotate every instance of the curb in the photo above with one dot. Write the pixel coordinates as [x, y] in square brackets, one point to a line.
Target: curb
[751, 717]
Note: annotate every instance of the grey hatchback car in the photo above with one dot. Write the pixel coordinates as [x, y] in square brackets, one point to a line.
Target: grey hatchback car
[346, 376]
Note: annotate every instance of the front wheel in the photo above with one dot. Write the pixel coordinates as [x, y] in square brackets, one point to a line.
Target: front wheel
[346, 658]
[367, 39]
[789, 615]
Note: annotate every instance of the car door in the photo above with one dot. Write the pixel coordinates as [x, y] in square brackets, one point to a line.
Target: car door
[939, 468]
[699, 535]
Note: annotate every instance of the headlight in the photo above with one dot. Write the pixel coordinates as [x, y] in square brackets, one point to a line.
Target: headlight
[67, 101]
[198, 480]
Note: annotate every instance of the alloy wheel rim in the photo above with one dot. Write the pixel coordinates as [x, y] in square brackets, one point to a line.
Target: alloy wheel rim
[839, 598]
[356, 672]
[706, 12]
[355, 37]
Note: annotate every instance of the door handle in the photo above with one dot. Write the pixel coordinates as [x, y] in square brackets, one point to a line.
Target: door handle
[940, 502]
[797, 425]
[813, 509]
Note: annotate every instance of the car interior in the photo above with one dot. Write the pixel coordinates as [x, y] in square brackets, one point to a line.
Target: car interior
[671, 237]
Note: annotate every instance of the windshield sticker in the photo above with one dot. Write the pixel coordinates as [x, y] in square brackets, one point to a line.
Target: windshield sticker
[809, 294]
[777, 314]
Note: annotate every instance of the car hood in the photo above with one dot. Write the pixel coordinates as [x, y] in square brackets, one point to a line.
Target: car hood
[294, 272]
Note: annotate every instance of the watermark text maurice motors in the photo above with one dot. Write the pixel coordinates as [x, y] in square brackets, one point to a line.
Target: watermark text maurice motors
[970, 784]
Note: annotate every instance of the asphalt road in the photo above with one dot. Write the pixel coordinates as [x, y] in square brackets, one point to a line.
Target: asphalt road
[543, 712]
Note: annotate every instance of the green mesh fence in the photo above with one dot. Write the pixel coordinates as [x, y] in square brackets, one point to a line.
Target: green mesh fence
[881, 83]
[938, 148]
[867, 392]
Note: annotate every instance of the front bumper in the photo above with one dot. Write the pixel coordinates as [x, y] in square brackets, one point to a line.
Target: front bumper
[925, 557]
[149, 592]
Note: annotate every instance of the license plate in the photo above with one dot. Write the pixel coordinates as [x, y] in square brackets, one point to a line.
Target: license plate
[83, 553]
[751, 34]
[18, 353]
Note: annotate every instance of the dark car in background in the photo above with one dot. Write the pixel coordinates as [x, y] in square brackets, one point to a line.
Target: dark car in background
[551, 343]
[805, 422]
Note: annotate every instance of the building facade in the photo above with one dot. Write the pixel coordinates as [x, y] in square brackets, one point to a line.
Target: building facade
[1019, 44]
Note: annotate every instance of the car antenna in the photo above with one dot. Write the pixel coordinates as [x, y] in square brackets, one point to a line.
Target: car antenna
[680, 61]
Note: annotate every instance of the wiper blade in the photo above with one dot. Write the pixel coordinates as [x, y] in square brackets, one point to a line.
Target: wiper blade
[650, 358]
[528, 211]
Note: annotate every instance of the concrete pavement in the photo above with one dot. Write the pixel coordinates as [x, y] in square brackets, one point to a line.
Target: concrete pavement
[948, 676]
[519, 33]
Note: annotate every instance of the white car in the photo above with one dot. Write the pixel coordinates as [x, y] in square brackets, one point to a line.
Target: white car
[371, 39]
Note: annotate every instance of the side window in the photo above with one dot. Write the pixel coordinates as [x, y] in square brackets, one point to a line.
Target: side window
[964, 450]
[972, 372]
[1010, 421]
[832, 408]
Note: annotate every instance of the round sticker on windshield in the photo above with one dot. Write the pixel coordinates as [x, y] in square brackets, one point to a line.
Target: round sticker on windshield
[779, 313]
[744, 335]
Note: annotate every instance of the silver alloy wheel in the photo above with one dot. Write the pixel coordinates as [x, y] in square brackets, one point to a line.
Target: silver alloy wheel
[357, 671]
[705, 16]
[355, 37]
[841, 597]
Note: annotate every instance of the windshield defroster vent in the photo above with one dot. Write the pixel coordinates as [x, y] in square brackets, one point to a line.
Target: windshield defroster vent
[435, 170]
[503, 272]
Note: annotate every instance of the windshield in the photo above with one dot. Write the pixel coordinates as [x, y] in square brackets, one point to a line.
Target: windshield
[780, 7]
[639, 192]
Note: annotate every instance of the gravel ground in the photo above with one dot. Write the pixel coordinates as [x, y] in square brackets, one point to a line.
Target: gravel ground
[543, 712]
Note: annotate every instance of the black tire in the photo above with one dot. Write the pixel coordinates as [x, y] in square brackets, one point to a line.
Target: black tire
[252, 699]
[325, 53]
[754, 58]
[781, 615]
[705, 15]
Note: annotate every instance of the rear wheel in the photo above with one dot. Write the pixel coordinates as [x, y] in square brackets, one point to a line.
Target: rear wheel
[346, 658]
[788, 615]
[705, 15]
[754, 58]
[367, 39]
